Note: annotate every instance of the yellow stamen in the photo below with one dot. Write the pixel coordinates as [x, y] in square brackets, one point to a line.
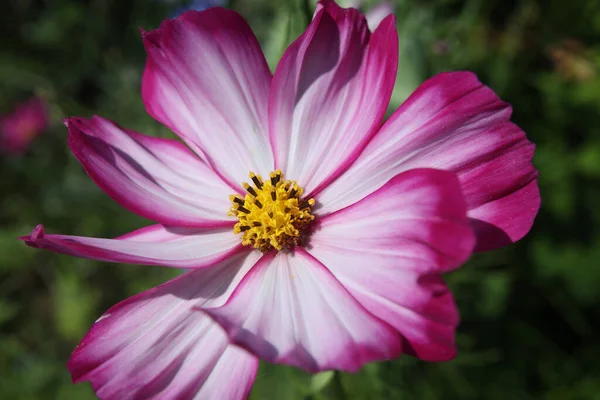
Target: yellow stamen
[272, 214]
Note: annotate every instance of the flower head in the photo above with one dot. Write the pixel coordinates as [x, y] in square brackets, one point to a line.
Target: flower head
[22, 125]
[272, 215]
[315, 234]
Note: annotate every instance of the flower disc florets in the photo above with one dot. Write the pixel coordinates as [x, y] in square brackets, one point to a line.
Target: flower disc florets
[272, 215]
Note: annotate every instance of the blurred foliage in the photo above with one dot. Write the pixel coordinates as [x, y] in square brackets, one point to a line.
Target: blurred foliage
[530, 312]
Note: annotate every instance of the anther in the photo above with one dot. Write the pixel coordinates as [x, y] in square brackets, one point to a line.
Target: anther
[274, 196]
[256, 223]
[243, 209]
[306, 203]
[239, 201]
[244, 228]
[256, 181]
[249, 189]
[292, 192]
[258, 203]
[275, 177]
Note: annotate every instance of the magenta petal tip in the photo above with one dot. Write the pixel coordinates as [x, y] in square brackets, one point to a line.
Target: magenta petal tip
[36, 234]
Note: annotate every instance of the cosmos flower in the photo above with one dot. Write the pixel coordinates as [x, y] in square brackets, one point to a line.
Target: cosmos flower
[22, 125]
[313, 233]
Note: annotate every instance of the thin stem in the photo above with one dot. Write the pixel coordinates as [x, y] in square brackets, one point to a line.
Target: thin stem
[337, 389]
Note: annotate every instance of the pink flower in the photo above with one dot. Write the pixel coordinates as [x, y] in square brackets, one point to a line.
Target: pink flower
[375, 14]
[365, 230]
[23, 124]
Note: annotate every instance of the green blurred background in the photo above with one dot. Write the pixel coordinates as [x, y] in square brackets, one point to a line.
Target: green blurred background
[530, 313]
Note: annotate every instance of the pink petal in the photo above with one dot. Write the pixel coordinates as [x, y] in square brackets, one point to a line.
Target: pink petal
[329, 94]
[159, 179]
[487, 217]
[289, 309]
[159, 345]
[453, 122]
[207, 80]
[153, 245]
[389, 249]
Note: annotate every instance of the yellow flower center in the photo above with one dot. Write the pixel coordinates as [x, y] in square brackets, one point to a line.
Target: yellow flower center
[272, 214]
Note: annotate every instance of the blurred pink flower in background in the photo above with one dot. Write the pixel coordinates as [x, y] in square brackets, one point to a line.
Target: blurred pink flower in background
[22, 125]
[341, 266]
[375, 14]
